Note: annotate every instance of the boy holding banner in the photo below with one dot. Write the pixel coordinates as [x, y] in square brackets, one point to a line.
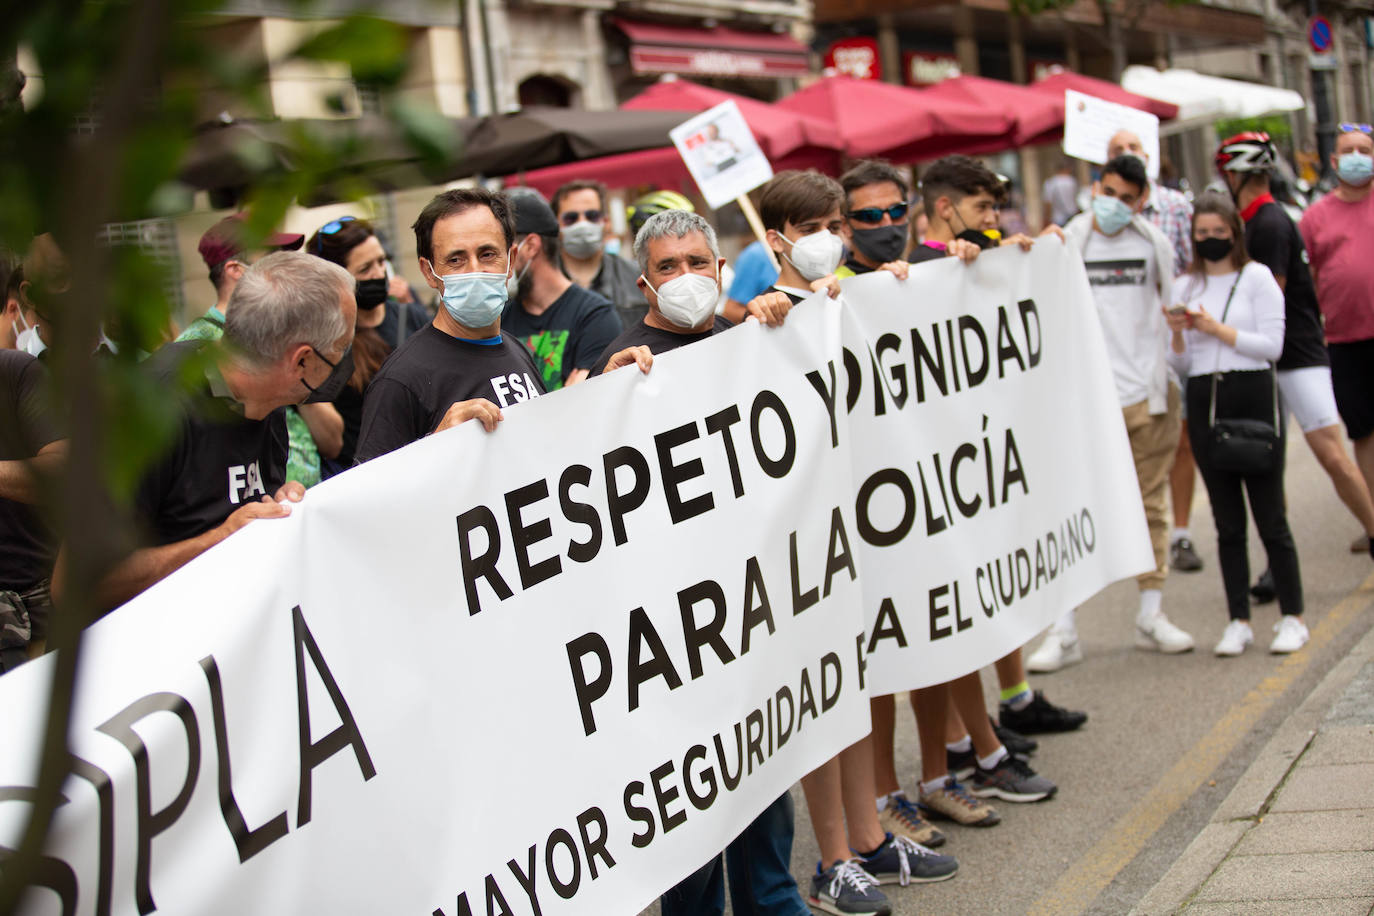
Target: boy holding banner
[960, 197]
[802, 218]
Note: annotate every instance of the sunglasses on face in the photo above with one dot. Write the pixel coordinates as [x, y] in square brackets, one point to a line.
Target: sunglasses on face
[1350, 127]
[571, 217]
[875, 214]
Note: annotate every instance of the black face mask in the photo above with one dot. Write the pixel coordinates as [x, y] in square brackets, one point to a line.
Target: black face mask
[973, 235]
[1215, 249]
[977, 238]
[339, 375]
[881, 245]
[370, 293]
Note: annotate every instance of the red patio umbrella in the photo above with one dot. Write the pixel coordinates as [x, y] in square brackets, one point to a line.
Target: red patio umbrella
[662, 168]
[1055, 84]
[778, 132]
[905, 125]
[1036, 117]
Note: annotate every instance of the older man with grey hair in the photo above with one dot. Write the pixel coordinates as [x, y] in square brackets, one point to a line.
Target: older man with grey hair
[679, 263]
[287, 340]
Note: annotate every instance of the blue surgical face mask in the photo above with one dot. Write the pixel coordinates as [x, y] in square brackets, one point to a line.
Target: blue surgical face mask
[1355, 168]
[474, 300]
[1112, 215]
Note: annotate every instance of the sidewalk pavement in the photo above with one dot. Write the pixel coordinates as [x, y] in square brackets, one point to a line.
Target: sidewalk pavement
[1296, 835]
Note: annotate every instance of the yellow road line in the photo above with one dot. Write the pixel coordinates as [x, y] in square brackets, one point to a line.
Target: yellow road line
[1095, 869]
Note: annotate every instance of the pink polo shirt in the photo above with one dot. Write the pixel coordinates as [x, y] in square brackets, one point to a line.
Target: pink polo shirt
[1340, 247]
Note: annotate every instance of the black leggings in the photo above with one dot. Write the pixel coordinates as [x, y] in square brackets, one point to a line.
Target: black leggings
[1245, 395]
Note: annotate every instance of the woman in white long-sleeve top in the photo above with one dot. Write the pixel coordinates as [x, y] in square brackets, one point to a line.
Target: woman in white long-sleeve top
[1226, 330]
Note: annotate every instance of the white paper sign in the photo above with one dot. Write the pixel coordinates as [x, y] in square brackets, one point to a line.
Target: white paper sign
[722, 154]
[1090, 122]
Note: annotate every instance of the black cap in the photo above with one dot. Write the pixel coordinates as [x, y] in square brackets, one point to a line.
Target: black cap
[533, 215]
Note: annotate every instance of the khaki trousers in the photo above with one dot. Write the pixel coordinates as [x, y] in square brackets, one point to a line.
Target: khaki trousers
[1154, 439]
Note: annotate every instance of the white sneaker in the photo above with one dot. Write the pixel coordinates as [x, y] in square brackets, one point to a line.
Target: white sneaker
[1059, 650]
[1237, 636]
[1159, 635]
[1292, 634]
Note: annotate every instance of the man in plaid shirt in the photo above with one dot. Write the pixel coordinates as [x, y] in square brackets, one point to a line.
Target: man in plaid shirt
[1172, 212]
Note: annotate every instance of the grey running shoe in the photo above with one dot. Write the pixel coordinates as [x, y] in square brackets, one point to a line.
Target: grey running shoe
[847, 890]
[1183, 557]
[901, 861]
[1012, 780]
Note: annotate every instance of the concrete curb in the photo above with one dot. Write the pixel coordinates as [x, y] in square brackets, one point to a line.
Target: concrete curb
[1239, 812]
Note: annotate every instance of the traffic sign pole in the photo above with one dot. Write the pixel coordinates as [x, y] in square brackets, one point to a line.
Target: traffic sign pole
[1319, 35]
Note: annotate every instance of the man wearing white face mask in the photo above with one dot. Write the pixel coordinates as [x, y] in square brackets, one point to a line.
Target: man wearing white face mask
[680, 263]
[1336, 230]
[565, 326]
[1130, 267]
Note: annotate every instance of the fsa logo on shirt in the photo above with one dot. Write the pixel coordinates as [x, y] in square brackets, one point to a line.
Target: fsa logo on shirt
[245, 482]
[514, 388]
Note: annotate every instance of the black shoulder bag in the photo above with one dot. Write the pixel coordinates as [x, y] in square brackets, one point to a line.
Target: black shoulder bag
[1242, 446]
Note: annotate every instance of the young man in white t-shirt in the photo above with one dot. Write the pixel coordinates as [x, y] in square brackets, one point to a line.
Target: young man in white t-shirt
[1130, 267]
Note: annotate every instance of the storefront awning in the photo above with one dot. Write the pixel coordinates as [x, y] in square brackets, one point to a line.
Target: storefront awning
[712, 52]
[1202, 99]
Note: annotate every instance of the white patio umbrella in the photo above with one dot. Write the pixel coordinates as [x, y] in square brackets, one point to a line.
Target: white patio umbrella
[1202, 99]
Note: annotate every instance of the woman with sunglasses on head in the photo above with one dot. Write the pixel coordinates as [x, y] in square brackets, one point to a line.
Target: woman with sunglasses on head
[1226, 329]
[382, 322]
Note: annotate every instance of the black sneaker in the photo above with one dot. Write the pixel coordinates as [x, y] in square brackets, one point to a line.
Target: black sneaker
[1183, 557]
[961, 764]
[1263, 590]
[1015, 742]
[902, 861]
[1011, 780]
[847, 890]
[1040, 716]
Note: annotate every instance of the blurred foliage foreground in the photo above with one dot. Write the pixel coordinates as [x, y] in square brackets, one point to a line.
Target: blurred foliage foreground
[132, 74]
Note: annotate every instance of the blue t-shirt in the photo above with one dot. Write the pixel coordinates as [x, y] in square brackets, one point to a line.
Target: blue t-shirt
[754, 273]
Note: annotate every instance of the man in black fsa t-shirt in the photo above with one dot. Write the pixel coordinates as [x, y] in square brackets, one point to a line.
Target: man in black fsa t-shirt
[1304, 368]
[227, 463]
[461, 367]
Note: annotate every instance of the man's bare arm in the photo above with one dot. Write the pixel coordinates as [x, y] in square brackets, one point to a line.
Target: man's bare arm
[19, 478]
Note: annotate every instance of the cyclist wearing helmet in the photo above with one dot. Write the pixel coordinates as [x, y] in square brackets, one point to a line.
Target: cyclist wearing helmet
[1245, 162]
[580, 207]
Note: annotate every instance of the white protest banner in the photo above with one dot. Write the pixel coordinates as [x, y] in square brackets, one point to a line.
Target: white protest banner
[721, 153]
[1090, 123]
[995, 485]
[554, 668]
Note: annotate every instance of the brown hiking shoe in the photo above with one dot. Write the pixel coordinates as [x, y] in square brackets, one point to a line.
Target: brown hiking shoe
[952, 802]
[901, 817]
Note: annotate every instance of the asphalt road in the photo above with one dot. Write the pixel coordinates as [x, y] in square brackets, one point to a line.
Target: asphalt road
[1167, 737]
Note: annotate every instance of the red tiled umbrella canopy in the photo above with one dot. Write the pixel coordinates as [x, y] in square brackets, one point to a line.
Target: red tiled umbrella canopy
[905, 125]
[1037, 117]
[1056, 83]
[778, 132]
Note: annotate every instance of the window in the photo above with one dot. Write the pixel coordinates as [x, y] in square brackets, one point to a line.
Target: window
[157, 239]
